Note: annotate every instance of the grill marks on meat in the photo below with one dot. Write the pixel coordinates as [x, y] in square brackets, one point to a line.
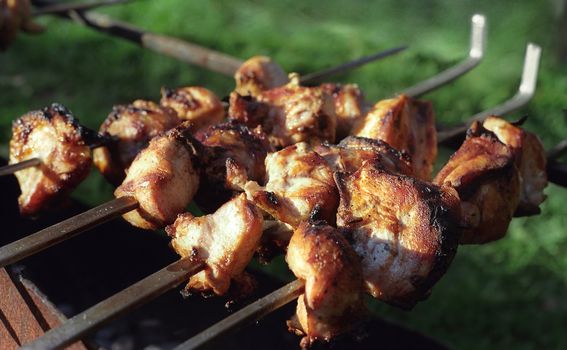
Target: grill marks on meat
[349, 106]
[407, 125]
[131, 127]
[288, 114]
[299, 186]
[258, 74]
[162, 178]
[197, 104]
[55, 137]
[15, 15]
[404, 230]
[333, 299]
[225, 240]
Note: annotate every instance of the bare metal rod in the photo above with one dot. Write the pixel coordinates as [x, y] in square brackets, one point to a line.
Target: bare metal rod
[248, 314]
[476, 54]
[525, 93]
[62, 8]
[66, 229]
[12, 168]
[557, 151]
[120, 303]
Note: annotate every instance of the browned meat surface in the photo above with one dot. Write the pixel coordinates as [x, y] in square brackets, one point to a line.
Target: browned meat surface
[352, 151]
[407, 125]
[15, 15]
[258, 74]
[131, 128]
[225, 240]
[55, 137]
[332, 302]
[194, 103]
[162, 178]
[288, 114]
[299, 186]
[531, 162]
[483, 172]
[349, 106]
[404, 230]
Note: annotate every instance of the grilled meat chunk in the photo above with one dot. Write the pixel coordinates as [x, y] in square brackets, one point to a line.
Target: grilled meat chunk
[225, 240]
[55, 137]
[333, 299]
[407, 125]
[130, 128]
[162, 178]
[15, 15]
[288, 114]
[349, 106]
[194, 103]
[299, 186]
[406, 231]
[484, 173]
[352, 151]
[531, 162]
[258, 74]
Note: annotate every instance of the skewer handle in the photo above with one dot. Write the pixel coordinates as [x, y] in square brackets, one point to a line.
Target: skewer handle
[66, 229]
[136, 295]
[12, 168]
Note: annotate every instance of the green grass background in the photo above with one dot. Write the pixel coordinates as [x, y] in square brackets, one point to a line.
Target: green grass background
[508, 294]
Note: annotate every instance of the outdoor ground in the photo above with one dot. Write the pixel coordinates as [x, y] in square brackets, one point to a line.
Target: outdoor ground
[508, 294]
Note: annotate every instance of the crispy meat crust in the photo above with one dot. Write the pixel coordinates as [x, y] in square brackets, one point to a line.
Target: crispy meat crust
[197, 104]
[55, 137]
[404, 230]
[349, 106]
[258, 74]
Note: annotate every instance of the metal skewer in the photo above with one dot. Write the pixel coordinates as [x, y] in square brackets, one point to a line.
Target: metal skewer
[62, 8]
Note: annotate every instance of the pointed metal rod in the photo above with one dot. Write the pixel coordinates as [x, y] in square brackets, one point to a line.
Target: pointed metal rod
[120, 303]
[476, 54]
[62, 8]
[525, 93]
[12, 168]
[66, 229]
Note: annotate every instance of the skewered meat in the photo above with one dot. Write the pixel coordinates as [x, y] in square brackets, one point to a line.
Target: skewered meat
[333, 297]
[15, 15]
[131, 128]
[299, 186]
[162, 178]
[194, 103]
[407, 125]
[258, 74]
[483, 172]
[404, 230]
[349, 106]
[55, 137]
[225, 240]
[352, 151]
[288, 114]
[531, 162]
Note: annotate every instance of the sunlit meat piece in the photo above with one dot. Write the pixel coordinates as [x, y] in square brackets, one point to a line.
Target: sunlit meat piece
[225, 240]
[484, 173]
[406, 231]
[407, 125]
[349, 106]
[55, 137]
[194, 103]
[288, 114]
[15, 15]
[531, 162]
[162, 178]
[130, 128]
[332, 302]
[258, 74]
[352, 151]
[299, 186]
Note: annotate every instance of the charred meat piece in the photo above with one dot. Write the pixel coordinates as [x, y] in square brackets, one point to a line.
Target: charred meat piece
[55, 137]
[333, 299]
[531, 162]
[162, 178]
[349, 106]
[130, 128]
[406, 231]
[15, 15]
[299, 186]
[484, 173]
[352, 151]
[407, 125]
[225, 240]
[288, 114]
[194, 103]
[258, 74]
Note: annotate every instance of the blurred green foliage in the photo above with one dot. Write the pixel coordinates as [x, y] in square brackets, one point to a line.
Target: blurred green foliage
[508, 294]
